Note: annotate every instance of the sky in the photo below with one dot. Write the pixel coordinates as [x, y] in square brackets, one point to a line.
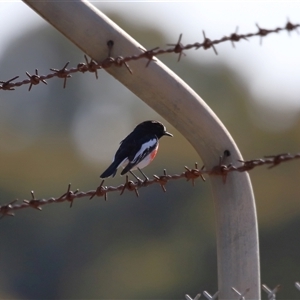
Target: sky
[271, 68]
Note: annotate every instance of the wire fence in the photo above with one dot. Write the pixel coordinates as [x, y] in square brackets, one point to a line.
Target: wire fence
[271, 293]
[177, 48]
[190, 174]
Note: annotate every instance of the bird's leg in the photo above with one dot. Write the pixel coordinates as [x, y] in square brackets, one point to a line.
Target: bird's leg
[145, 176]
[137, 178]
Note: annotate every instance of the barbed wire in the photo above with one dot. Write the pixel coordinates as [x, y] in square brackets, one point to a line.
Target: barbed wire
[242, 295]
[190, 174]
[271, 293]
[177, 48]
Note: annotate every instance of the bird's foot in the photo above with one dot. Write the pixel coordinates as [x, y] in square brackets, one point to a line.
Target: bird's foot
[136, 177]
[145, 176]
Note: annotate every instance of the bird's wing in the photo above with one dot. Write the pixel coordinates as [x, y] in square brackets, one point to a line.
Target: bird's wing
[142, 148]
[126, 147]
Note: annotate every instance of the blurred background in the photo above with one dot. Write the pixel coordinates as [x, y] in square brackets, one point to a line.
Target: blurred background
[160, 245]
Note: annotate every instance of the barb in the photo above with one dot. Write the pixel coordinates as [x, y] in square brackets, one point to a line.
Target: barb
[190, 174]
[188, 297]
[35, 79]
[177, 48]
[241, 295]
[62, 73]
[210, 297]
[8, 85]
[207, 43]
[271, 293]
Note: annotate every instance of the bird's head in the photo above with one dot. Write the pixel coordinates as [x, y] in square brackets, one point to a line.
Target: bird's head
[153, 127]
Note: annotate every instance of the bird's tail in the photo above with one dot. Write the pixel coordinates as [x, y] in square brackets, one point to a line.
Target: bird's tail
[111, 170]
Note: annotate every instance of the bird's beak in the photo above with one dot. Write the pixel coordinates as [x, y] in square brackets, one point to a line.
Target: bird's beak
[168, 133]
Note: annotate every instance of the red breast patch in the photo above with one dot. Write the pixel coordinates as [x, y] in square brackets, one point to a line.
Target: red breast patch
[153, 153]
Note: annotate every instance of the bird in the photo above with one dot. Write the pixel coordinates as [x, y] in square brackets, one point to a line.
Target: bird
[138, 149]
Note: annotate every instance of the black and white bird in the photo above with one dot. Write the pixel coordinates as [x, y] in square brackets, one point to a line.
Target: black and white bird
[138, 149]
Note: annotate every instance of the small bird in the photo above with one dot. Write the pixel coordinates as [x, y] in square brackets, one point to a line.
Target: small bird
[138, 149]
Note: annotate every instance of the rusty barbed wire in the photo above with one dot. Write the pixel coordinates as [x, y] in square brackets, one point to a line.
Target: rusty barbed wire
[190, 174]
[177, 48]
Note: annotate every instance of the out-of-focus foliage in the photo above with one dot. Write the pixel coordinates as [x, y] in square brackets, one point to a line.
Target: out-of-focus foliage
[161, 245]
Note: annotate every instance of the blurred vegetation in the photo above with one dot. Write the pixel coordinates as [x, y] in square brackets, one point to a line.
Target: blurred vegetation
[160, 245]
